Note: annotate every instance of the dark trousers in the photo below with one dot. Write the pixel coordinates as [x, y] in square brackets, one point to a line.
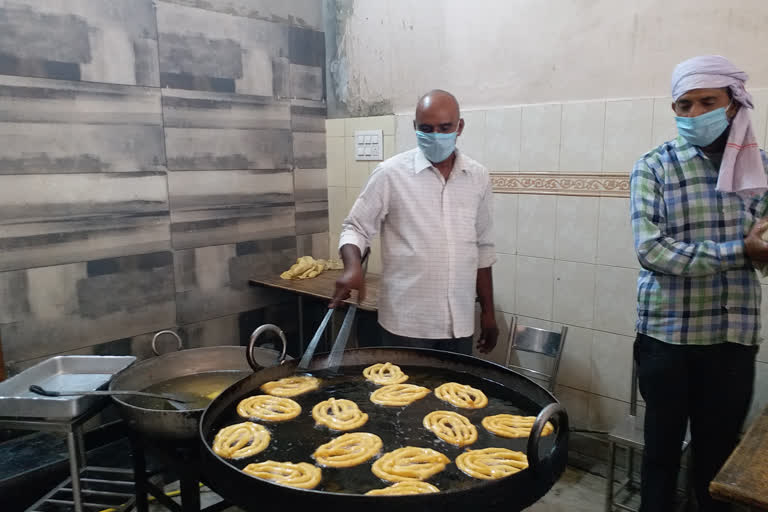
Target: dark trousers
[709, 385]
[458, 345]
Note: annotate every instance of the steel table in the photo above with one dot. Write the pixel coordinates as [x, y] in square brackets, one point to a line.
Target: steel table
[78, 470]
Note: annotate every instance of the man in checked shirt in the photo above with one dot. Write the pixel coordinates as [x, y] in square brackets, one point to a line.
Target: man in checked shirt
[698, 203]
[432, 206]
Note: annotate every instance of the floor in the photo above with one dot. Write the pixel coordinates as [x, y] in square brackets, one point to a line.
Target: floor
[577, 491]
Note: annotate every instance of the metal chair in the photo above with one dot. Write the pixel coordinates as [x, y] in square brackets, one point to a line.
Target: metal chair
[537, 341]
[630, 436]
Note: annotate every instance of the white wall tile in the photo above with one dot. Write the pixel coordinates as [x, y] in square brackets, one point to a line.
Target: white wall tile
[334, 127]
[385, 123]
[536, 225]
[499, 352]
[611, 365]
[502, 139]
[405, 135]
[336, 161]
[351, 196]
[472, 139]
[760, 398]
[628, 126]
[333, 245]
[576, 404]
[357, 170]
[576, 362]
[760, 116]
[582, 136]
[540, 139]
[616, 300]
[504, 283]
[505, 222]
[574, 298]
[576, 228]
[606, 413]
[539, 323]
[533, 287]
[615, 243]
[664, 128]
[337, 208]
[389, 146]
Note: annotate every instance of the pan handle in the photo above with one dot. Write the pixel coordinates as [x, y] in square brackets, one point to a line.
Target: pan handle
[179, 344]
[557, 415]
[249, 354]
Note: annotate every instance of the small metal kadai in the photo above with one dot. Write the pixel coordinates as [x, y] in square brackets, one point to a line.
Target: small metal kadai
[87, 373]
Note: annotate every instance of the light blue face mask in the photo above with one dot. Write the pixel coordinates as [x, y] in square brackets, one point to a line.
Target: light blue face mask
[703, 130]
[437, 146]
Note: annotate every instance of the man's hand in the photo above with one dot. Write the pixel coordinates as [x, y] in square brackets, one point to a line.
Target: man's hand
[489, 332]
[351, 279]
[754, 246]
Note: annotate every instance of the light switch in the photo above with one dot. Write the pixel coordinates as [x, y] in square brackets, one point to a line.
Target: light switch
[369, 144]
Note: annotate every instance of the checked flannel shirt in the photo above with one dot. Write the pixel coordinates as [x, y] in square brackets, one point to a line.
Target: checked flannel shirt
[697, 286]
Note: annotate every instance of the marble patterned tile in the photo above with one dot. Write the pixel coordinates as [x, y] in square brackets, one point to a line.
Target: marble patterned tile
[211, 51]
[139, 346]
[232, 329]
[306, 82]
[309, 151]
[213, 281]
[49, 219]
[315, 245]
[311, 195]
[307, 68]
[302, 13]
[224, 207]
[308, 116]
[71, 306]
[205, 131]
[56, 126]
[111, 41]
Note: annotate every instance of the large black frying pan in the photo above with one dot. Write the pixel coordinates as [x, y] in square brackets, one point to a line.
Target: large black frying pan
[341, 489]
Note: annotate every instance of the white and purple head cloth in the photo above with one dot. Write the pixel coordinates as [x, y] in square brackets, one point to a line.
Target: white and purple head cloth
[742, 169]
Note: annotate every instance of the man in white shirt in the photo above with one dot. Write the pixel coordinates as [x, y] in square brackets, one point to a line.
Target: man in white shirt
[433, 208]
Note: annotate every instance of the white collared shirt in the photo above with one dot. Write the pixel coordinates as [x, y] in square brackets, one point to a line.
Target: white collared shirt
[435, 234]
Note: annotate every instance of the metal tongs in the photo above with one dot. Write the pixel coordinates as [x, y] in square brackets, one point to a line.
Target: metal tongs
[337, 349]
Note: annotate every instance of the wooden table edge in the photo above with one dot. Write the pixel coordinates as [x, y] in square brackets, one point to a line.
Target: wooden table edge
[734, 494]
[274, 284]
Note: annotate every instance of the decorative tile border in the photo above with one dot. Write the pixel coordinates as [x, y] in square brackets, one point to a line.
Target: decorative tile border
[562, 183]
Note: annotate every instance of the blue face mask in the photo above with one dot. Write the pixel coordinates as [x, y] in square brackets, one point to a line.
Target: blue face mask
[703, 130]
[437, 146]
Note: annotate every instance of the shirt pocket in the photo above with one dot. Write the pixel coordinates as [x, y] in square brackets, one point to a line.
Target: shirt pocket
[465, 224]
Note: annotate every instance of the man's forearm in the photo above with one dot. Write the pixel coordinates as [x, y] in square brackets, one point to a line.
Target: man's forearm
[351, 256]
[485, 289]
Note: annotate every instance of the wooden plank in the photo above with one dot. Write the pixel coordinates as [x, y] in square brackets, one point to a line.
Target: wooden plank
[744, 477]
[323, 286]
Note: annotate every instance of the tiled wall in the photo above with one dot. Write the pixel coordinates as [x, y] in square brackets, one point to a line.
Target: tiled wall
[346, 176]
[155, 155]
[562, 259]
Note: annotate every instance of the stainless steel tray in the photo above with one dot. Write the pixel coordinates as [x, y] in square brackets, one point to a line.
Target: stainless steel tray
[60, 373]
